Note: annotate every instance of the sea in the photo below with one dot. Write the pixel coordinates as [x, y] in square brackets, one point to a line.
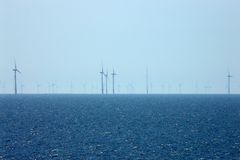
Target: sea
[119, 127]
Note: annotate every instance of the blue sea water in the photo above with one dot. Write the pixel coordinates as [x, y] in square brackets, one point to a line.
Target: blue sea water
[119, 127]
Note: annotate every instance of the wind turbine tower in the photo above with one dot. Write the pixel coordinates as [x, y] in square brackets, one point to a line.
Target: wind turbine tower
[147, 86]
[106, 78]
[102, 86]
[229, 76]
[113, 80]
[15, 70]
[38, 88]
[53, 86]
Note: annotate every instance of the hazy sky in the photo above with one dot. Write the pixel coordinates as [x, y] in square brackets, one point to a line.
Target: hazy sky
[189, 42]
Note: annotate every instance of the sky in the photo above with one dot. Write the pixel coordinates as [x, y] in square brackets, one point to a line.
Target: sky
[187, 43]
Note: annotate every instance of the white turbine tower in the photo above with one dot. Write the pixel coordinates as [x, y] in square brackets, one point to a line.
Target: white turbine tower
[102, 86]
[229, 76]
[147, 85]
[15, 70]
[106, 79]
[113, 80]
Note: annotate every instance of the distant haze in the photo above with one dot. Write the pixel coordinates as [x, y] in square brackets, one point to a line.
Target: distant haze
[187, 44]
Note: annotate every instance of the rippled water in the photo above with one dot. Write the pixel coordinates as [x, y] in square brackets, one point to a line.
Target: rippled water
[119, 127]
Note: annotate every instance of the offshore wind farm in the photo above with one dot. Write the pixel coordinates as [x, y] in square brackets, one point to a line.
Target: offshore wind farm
[116, 80]
[105, 87]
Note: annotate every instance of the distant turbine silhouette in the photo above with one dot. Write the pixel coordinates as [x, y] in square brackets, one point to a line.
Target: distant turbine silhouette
[113, 80]
[15, 70]
[229, 76]
[147, 87]
[132, 87]
[106, 78]
[53, 85]
[102, 86]
[118, 88]
[38, 87]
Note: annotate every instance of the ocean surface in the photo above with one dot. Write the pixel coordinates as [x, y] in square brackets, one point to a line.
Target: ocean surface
[89, 127]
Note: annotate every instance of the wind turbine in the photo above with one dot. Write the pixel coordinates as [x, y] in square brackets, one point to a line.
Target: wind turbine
[53, 86]
[38, 87]
[102, 74]
[106, 78]
[15, 70]
[118, 89]
[147, 87]
[113, 80]
[229, 76]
